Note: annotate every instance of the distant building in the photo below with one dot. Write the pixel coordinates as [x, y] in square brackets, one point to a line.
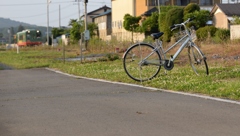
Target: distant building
[104, 22]
[92, 14]
[223, 14]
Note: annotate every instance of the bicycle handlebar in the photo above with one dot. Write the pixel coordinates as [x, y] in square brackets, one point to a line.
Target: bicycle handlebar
[175, 26]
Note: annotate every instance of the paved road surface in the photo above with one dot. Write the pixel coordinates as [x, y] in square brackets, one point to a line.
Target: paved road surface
[38, 102]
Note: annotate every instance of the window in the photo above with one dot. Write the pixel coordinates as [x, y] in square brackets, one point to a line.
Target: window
[155, 2]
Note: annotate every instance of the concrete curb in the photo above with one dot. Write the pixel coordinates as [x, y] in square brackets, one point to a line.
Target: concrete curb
[150, 88]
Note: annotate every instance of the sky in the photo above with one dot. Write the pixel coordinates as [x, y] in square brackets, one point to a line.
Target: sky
[35, 11]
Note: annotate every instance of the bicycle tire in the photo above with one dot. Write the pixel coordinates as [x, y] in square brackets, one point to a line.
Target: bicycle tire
[198, 61]
[137, 66]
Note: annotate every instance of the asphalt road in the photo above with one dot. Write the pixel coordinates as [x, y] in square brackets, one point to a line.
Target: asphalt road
[39, 102]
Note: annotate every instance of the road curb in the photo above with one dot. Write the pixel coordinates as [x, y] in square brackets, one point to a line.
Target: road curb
[150, 88]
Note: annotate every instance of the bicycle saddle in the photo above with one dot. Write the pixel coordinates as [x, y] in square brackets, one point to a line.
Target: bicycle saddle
[157, 35]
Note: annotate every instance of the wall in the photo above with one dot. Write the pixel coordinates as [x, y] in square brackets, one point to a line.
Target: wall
[119, 9]
[220, 20]
[234, 32]
[141, 7]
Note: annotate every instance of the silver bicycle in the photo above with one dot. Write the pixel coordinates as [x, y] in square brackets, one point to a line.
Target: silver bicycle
[143, 61]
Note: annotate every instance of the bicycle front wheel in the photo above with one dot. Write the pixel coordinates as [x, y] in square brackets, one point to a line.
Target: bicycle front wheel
[197, 60]
[141, 62]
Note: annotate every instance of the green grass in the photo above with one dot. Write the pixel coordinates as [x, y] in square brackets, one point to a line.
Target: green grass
[223, 81]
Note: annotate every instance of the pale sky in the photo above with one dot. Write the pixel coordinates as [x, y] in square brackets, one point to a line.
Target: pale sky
[35, 11]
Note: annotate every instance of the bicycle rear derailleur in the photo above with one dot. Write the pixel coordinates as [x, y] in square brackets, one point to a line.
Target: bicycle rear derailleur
[168, 65]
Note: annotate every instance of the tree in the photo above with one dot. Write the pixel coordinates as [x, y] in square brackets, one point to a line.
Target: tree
[57, 32]
[131, 23]
[71, 22]
[150, 25]
[190, 8]
[20, 28]
[75, 32]
[1, 35]
[200, 18]
[173, 16]
[92, 27]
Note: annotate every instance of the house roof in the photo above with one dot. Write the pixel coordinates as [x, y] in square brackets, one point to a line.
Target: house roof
[149, 12]
[104, 13]
[103, 7]
[228, 9]
[93, 12]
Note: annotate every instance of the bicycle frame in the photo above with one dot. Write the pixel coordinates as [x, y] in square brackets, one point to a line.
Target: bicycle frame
[159, 48]
[185, 39]
[183, 45]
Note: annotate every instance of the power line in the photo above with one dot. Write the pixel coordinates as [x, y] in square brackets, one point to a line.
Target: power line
[37, 15]
[28, 4]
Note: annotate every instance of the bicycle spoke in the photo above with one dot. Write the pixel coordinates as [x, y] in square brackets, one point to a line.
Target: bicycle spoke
[146, 64]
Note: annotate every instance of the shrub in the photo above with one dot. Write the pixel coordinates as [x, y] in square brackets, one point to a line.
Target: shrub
[236, 20]
[222, 35]
[112, 57]
[203, 33]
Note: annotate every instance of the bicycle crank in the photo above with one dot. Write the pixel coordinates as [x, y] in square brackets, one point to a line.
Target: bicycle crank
[168, 65]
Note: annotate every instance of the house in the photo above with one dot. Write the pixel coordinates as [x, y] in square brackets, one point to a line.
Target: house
[223, 14]
[144, 5]
[92, 14]
[104, 22]
[140, 7]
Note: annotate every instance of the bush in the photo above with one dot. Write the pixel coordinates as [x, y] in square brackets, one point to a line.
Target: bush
[222, 35]
[203, 33]
[112, 57]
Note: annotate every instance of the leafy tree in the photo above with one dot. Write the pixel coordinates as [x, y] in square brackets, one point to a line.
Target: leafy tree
[72, 22]
[75, 32]
[191, 7]
[57, 32]
[131, 23]
[1, 35]
[150, 25]
[200, 18]
[92, 27]
[20, 28]
[173, 16]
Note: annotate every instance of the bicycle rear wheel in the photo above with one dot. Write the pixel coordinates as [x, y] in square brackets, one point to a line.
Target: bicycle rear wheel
[141, 62]
[197, 60]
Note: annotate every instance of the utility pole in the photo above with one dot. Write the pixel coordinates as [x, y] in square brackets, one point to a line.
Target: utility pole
[78, 10]
[85, 4]
[9, 32]
[59, 16]
[48, 1]
[158, 13]
[86, 33]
